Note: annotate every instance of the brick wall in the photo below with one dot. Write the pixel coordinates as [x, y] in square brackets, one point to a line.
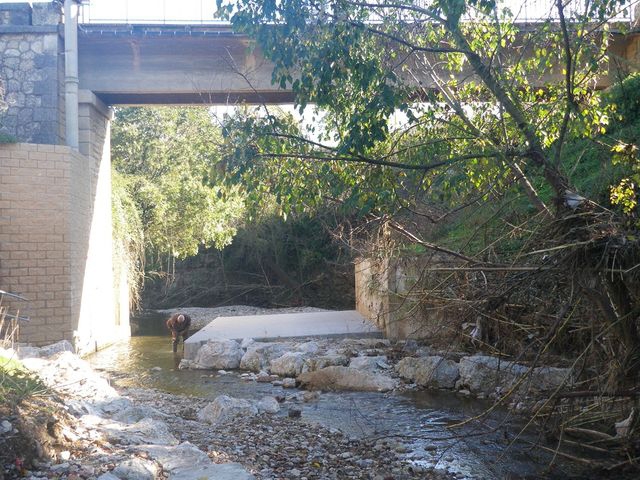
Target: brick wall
[55, 243]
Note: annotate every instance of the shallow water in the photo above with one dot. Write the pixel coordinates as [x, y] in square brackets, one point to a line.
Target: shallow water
[421, 420]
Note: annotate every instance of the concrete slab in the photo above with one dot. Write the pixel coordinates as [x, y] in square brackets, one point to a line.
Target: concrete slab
[346, 323]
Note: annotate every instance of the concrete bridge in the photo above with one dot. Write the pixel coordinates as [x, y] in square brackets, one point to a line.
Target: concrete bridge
[60, 80]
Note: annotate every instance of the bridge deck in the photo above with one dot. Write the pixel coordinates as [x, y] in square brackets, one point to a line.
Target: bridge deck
[289, 325]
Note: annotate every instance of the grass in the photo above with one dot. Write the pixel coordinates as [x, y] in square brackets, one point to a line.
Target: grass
[16, 382]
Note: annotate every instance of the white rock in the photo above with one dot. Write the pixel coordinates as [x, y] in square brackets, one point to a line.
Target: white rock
[61, 346]
[246, 342]
[547, 379]
[224, 408]
[308, 347]
[144, 431]
[288, 365]
[218, 354]
[347, 378]
[368, 363]
[137, 469]
[268, 405]
[328, 360]
[434, 371]
[67, 373]
[108, 476]
[259, 354]
[288, 383]
[5, 426]
[184, 364]
[27, 351]
[481, 373]
[65, 455]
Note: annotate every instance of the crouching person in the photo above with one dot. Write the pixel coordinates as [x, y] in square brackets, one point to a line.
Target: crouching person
[178, 324]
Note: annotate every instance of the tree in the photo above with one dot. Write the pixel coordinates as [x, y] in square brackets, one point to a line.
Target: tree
[488, 101]
[166, 160]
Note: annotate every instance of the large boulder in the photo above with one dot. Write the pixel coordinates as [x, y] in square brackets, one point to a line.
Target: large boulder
[346, 378]
[369, 363]
[432, 372]
[225, 408]
[137, 469]
[328, 360]
[483, 374]
[288, 365]
[259, 355]
[548, 379]
[218, 355]
[268, 404]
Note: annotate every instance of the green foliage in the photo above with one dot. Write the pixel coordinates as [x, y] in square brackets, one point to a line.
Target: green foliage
[361, 64]
[166, 158]
[17, 383]
[626, 98]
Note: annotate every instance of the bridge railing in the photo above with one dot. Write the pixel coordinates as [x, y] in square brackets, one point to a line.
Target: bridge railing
[203, 11]
[149, 12]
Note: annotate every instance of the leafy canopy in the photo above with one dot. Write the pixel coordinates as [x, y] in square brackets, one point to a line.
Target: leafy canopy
[166, 159]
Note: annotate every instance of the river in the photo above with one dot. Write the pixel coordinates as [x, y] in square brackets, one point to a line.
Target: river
[490, 448]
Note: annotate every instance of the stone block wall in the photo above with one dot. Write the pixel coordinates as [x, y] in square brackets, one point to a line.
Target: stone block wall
[32, 72]
[393, 293]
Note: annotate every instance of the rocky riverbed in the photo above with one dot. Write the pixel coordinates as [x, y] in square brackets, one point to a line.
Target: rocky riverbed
[87, 429]
[237, 412]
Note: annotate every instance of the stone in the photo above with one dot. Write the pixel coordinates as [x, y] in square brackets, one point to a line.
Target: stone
[294, 412]
[144, 431]
[218, 354]
[135, 413]
[225, 408]
[288, 365]
[252, 361]
[185, 364]
[322, 361]
[246, 343]
[368, 363]
[27, 351]
[481, 373]
[108, 476]
[347, 378]
[433, 371]
[288, 383]
[268, 404]
[308, 347]
[137, 469]
[221, 471]
[175, 458]
[548, 379]
[259, 354]
[5, 426]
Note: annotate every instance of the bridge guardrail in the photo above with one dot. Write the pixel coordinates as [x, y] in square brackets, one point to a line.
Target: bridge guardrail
[203, 11]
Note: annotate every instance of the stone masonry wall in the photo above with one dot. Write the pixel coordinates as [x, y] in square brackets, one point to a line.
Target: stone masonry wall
[32, 72]
[393, 293]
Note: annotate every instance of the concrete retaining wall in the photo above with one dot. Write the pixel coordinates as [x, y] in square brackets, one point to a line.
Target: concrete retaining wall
[393, 293]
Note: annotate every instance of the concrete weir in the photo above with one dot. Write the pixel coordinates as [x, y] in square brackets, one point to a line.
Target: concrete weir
[287, 325]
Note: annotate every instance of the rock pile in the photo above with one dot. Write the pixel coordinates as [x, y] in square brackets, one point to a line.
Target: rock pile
[377, 365]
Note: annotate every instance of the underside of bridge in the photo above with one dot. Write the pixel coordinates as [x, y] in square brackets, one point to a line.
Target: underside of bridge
[173, 64]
